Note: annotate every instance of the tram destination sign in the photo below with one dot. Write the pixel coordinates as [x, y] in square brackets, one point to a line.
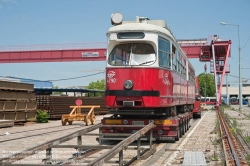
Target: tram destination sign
[90, 54]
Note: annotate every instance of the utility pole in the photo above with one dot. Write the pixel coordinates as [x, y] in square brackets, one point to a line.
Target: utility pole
[227, 91]
[205, 92]
[205, 68]
[239, 48]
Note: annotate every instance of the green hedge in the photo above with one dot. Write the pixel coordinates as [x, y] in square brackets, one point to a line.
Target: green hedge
[42, 116]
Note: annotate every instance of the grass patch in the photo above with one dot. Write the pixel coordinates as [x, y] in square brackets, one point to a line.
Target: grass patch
[224, 106]
[247, 139]
[32, 119]
[248, 159]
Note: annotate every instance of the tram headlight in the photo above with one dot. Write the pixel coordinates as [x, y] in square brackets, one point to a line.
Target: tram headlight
[116, 18]
[160, 132]
[128, 84]
[125, 122]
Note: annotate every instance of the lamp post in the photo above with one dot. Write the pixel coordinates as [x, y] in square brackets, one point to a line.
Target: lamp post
[205, 68]
[227, 91]
[240, 83]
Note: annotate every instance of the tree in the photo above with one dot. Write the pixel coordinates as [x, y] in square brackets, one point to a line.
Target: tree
[56, 87]
[207, 79]
[99, 85]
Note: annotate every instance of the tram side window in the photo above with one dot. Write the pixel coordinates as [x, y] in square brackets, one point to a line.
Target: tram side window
[181, 65]
[184, 67]
[192, 79]
[178, 63]
[180, 68]
[174, 58]
[164, 53]
[191, 75]
[163, 60]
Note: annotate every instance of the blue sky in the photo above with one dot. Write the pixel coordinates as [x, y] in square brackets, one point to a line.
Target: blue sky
[29, 22]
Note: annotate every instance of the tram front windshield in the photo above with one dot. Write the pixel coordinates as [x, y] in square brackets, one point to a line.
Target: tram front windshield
[132, 54]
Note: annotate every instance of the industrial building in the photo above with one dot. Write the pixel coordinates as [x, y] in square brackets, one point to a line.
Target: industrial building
[233, 91]
[36, 83]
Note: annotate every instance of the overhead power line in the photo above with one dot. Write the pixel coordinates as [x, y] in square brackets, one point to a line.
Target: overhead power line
[63, 79]
[94, 70]
[238, 77]
[246, 42]
[245, 79]
[8, 78]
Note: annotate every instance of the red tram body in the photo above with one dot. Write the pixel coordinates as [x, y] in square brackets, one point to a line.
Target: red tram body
[148, 79]
[197, 103]
[152, 88]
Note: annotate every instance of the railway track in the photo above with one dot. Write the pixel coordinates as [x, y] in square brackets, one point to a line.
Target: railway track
[90, 153]
[32, 130]
[110, 151]
[7, 139]
[240, 138]
[243, 143]
[234, 152]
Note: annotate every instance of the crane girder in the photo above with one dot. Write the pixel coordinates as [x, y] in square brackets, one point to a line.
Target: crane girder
[217, 53]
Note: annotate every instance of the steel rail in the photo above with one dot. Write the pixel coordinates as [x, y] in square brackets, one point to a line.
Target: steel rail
[34, 135]
[240, 136]
[33, 130]
[235, 156]
[120, 146]
[235, 148]
[47, 145]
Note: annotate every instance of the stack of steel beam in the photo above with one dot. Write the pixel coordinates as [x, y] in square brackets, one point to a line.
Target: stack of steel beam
[17, 101]
[43, 102]
[6, 123]
[60, 105]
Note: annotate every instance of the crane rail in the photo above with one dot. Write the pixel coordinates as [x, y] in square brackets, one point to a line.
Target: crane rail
[240, 138]
[233, 150]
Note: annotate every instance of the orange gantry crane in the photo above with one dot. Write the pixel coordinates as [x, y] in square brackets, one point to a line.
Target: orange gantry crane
[215, 51]
[212, 50]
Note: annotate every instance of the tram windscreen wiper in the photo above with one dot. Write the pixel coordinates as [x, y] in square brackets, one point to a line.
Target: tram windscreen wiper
[145, 62]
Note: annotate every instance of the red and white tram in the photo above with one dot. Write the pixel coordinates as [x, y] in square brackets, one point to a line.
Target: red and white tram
[148, 79]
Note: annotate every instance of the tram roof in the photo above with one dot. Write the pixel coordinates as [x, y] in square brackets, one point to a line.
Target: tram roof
[149, 26]
[157, 26]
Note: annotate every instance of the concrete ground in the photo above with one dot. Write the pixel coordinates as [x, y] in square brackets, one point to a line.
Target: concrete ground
[245, 108]
[202, 139]
[241, 119]
[198, 138]
[11, 143]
